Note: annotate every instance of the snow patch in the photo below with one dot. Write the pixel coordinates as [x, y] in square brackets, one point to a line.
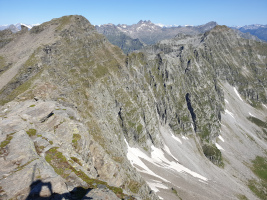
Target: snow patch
[251, 114]
[154, 185]
[219, 147]
[158, 159]
[160, 197]
[180, 168]
[158, 155]
[161, 25]
[238, 94]
[140, 27]
[226, 101]
[134, 155]
[192, 126]
[185, 138]
[176, 138]
[121, 29]
[28, 26]
[221, 138]
[166, 148]
[165, 129]
[264, 105]
[202, 181]
[229, 113]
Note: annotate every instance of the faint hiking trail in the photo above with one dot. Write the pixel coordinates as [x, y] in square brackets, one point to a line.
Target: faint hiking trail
[11, 73]
[19, 50]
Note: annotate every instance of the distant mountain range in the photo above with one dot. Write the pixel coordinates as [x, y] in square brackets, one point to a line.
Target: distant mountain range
[146, 33]
[250, 27]
[16, 27]
[134, 37]
[150, 33]
[255, 29]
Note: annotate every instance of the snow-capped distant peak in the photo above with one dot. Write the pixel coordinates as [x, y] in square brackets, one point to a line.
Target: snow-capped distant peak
[166, 26]
[17, 27]
[28, 26]
[252, 26]
[160, 25]
[236, 26]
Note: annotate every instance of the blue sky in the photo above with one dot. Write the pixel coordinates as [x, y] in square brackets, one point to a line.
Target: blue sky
[190, 12]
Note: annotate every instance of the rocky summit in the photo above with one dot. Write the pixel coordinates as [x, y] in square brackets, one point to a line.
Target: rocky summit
[181, 119]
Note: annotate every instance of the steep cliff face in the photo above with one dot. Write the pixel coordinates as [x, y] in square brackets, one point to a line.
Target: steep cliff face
[94, 116]
[188, 78]
[194, 66]
[242, 63]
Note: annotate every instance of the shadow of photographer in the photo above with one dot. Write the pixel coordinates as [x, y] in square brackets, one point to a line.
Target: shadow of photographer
[36, 192]
[40, 190]
[36, 189]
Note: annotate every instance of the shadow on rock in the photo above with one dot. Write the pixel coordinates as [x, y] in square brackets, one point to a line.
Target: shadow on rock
[40, 190]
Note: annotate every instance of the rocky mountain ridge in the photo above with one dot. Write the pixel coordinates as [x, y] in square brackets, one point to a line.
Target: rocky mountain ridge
[173, 117]
[136, 36]
[43, 72]
[150, 33]
[119, 38]
[129, 37]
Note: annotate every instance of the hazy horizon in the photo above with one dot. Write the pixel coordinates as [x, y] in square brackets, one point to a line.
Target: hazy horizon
[169, 12]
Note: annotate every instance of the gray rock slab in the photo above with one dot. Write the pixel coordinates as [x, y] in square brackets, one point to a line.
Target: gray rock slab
[100, 194]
